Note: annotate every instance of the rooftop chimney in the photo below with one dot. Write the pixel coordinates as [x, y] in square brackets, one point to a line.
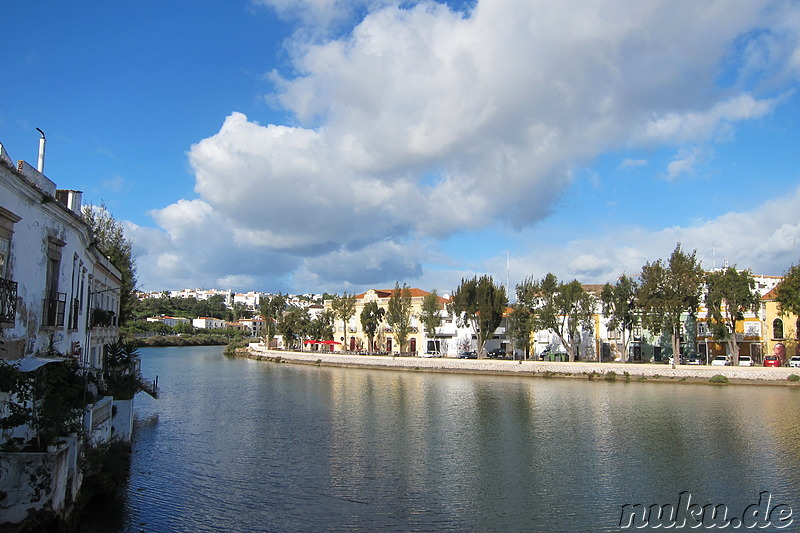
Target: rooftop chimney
[42, 141]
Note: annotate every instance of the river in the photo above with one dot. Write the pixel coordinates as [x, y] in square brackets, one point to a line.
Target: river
[242, 445]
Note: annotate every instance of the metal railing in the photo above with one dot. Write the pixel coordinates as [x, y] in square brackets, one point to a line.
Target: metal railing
[8, 301]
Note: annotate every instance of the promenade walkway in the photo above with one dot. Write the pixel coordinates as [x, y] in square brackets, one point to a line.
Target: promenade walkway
[540, 368]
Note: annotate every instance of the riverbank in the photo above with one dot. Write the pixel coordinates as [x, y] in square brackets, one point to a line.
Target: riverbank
[546, 369]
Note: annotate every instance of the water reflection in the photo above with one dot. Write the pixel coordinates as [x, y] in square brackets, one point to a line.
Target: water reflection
[238, 445]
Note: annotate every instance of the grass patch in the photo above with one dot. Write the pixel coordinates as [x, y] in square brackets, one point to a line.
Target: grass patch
[718, 378]
[611, 376]
[794, 377]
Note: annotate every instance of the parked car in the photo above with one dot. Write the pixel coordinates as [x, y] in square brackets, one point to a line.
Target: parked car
[468, 355]
[497, 353]
[745, 360]
[721, 360]
[429, 354]
[693, 361]
[771, 360]
[794, 362]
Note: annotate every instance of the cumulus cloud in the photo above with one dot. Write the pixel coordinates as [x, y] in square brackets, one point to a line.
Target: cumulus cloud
[423, 121]
[764, 240]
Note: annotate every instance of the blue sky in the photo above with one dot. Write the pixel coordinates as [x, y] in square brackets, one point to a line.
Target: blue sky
[324, 145]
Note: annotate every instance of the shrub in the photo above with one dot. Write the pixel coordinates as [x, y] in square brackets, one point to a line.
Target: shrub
[611, 376]
[718, 378]
[794, 377]
[627, 376]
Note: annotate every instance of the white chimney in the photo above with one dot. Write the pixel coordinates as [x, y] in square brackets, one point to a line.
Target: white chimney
[42, 141]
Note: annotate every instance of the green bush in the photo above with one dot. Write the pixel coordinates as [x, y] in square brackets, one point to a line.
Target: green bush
[627, 376]
[718, 378]
[611, 376]
[794, 377]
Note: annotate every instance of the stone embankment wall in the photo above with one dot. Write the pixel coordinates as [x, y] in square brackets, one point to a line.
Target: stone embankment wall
[542, 368]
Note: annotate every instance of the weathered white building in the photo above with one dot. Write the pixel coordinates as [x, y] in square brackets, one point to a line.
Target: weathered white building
[59, 295]
[59, 301]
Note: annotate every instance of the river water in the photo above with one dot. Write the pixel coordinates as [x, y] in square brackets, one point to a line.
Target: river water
[242, 445]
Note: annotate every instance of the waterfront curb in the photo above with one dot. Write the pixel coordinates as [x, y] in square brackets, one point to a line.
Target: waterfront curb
[547, 369]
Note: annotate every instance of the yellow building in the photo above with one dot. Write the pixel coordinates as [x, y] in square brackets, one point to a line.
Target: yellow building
[355, 340]
[780, 330]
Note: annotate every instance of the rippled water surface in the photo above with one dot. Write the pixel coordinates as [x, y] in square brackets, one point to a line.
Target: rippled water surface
[240, 445]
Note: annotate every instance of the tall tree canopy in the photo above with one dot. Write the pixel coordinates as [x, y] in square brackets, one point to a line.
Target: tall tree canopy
[371, 318]
[110, 238]
[293, 325]
[621, 308]
[481, 304]
[429, 314]
[520, 327]
[563, 308]
[730, 294]
[787, 293]
[398, 314]
[668, 291]
[272, 309]
[344, 307]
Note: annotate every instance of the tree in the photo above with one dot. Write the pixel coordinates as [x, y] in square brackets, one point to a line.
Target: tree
[730, 294]
[371, 318]
[479, 303]
[620, 306]
[110, 239]
[293, 325]
[520, 327]
[787, 293]
[667, 291]
[563, 308]
[237, 312]
[272, 309]
[344, 307]
[321, 326]
[398, 314]
[430, 313]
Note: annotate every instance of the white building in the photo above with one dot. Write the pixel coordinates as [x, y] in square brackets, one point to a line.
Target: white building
[206, 322]
[58, 294]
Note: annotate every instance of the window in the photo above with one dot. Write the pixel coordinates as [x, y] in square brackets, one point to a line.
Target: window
[777, 328]
[8, 288]
[55, 302]
[7, 221]
[752, 329]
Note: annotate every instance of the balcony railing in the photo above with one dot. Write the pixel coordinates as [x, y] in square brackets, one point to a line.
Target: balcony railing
[54, 310]
[102, 318]
[8, 301]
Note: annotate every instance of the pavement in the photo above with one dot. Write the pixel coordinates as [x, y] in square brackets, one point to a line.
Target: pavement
[662, 372]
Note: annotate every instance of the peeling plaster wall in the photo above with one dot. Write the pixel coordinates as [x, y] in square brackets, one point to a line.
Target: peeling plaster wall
[42, 220]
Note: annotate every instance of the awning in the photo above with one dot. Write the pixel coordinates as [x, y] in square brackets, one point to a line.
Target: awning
[29, 364]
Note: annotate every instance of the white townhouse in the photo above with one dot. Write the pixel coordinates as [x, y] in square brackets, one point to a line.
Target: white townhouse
[59, 295]
[208, 322]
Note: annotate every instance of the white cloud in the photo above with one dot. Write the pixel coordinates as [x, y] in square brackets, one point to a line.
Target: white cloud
[502, 102]
[684, 162]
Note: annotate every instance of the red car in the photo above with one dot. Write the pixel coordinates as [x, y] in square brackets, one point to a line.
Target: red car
[771, 360]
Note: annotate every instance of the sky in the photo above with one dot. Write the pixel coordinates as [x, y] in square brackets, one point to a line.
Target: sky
[340, 145]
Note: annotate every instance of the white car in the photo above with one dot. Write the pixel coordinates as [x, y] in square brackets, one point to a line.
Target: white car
[794, 362]
[745, 360]
[720, 360]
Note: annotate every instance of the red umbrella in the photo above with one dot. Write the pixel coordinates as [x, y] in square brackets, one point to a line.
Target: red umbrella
[310, 342]
[329, 342]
